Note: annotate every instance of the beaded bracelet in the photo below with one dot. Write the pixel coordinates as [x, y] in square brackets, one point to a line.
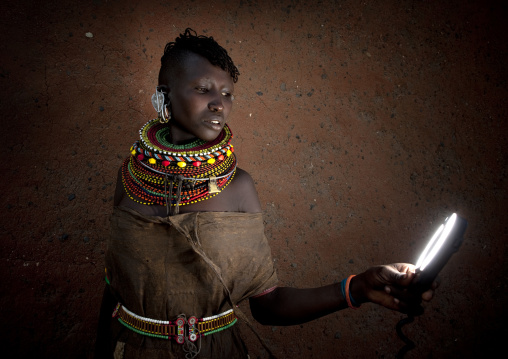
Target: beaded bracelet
[344, 286]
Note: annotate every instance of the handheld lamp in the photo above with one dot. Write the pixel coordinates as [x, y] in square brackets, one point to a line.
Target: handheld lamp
[445, 241]
[442, 245]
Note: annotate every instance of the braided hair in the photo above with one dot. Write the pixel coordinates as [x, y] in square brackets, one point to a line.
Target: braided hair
[189, 41]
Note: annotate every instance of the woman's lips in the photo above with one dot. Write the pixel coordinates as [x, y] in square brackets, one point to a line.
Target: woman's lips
[215, 124]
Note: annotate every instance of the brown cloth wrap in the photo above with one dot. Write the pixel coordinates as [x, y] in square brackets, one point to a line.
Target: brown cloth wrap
[155, 272]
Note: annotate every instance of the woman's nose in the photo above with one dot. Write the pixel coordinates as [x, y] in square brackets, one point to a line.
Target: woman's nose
[216, 104]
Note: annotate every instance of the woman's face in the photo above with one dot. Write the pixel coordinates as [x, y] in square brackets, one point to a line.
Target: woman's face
[201, 96]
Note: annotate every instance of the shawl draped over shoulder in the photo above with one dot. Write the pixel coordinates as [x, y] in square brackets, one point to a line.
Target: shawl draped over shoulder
[161, 268]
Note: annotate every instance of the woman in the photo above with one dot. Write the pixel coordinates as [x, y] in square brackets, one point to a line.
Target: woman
[187, 241]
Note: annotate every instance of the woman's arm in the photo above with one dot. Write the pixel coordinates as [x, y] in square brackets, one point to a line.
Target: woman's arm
[291, 306]
[383, 285]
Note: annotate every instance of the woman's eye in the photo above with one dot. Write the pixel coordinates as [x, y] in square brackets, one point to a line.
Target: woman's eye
[228, 95]
[202, 89]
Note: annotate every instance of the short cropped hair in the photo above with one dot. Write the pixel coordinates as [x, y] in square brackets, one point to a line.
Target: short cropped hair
[189, 41]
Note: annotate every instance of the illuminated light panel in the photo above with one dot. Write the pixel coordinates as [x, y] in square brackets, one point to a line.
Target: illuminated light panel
[436, 242]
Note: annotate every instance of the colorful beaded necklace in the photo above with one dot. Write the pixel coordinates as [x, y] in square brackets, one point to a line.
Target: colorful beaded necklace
[161, 173]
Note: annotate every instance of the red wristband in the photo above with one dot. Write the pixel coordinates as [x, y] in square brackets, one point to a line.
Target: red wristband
[348, 298]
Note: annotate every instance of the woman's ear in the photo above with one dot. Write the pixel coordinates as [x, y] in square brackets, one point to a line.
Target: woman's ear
[165, 91]
[163, 88]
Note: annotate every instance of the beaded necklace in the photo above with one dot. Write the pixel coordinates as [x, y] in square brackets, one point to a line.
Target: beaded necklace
[161, 173]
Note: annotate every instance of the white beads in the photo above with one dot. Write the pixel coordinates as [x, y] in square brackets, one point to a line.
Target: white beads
[143, 318]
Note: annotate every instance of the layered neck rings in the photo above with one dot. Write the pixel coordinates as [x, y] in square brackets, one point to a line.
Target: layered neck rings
[161, 173]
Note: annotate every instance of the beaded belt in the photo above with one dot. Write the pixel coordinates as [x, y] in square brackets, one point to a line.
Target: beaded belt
[176, 330]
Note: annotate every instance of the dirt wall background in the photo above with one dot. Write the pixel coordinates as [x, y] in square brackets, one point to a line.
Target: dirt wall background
[364, 123]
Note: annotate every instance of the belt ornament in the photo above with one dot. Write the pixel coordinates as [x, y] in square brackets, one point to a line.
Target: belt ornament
[179, 329]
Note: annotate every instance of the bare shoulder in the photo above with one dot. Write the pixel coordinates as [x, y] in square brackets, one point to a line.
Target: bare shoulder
[243, 178]
[244, 191]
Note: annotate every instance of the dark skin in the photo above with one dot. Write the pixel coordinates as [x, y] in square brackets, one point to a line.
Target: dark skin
[200, 96]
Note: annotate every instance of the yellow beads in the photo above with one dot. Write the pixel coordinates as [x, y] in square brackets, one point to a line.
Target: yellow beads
[211, 161]
[181, 164]
[152, 161]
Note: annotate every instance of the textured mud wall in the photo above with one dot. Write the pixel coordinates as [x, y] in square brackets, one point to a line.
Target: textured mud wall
[363, 124]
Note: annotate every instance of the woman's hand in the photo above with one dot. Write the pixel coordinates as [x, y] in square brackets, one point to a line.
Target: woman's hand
[388, 285]
[384, 285]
